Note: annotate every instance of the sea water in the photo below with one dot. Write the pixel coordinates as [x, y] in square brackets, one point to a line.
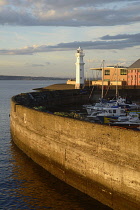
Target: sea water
[24, 184]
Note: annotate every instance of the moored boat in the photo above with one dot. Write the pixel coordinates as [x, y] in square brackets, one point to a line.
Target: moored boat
[111, 113]
[132, 120]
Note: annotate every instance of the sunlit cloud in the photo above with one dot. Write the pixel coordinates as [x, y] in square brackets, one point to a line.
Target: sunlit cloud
[120, 41]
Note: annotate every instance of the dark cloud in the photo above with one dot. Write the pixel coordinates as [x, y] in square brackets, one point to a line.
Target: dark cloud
[132, 37]
[69, 13]
[38, 65]
[120, 41]
[48, 63]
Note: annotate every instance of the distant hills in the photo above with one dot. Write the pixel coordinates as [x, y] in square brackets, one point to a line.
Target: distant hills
[3, 77]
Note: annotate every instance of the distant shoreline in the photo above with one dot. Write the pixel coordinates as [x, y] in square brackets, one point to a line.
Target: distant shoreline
[2, 77]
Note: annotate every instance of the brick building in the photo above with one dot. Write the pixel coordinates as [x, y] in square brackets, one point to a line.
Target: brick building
[114, 74]
[133, 75]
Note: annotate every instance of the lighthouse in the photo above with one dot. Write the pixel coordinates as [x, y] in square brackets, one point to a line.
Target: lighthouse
[79, 69]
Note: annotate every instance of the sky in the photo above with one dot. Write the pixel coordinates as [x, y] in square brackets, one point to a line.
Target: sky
[40, 38]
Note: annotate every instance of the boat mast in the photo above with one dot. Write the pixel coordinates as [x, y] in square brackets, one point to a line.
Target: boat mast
[103, 80]
[117, 82]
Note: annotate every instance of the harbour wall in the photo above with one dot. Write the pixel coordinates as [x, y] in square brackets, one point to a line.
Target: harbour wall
[101, 161]
[132, 94]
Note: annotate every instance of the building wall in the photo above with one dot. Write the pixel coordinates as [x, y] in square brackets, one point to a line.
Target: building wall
[71, 82]
[133, 77]
[113, 74]
[99, 82]
[101, 161]
[116, 74]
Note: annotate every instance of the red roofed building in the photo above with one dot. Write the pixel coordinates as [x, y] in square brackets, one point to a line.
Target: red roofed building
[133, 75]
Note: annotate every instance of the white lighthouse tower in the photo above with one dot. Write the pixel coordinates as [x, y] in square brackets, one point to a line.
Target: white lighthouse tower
[79, 69]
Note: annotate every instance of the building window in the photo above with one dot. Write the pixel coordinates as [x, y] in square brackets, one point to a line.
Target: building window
[123, 72]
[107, 72]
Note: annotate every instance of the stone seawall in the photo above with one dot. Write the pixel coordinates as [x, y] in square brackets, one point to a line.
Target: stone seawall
[99, 160]
[133, 94]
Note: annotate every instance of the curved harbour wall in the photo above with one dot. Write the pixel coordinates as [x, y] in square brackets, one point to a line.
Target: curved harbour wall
[101, 161]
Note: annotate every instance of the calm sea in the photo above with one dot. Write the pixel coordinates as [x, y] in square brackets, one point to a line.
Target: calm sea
[24, 184]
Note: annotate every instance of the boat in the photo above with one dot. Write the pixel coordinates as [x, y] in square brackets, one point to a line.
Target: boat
[111, 113]
[106, 110]
[103, 103]
[93, 116]
[125, 103]
[99, 106]
[132, 120]
[128, 104]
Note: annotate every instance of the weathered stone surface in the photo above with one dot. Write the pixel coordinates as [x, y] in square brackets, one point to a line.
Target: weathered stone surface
[101, 161]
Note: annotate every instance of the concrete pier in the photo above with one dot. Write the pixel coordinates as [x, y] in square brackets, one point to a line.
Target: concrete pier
[99, 160]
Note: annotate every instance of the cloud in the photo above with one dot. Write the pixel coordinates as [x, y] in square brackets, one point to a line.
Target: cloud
[38, 65]
[48, 63]
[120, 41]
[69, 13]
[2, 2]
[132, 37]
